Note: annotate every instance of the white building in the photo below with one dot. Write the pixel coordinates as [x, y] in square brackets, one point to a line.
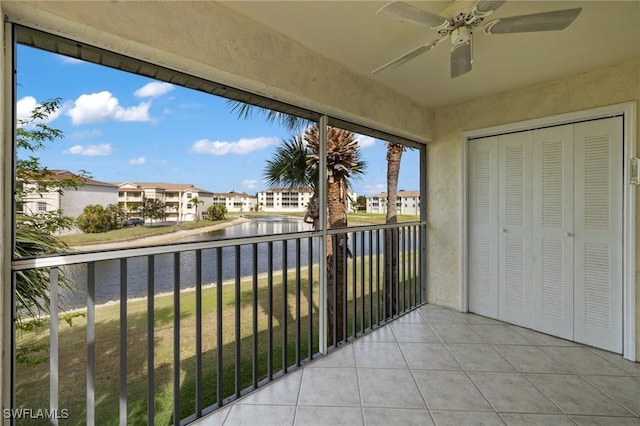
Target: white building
[408, 203]
[236, 201]
[178, 198]
[292, 200]
[284, 199]
[71, 201]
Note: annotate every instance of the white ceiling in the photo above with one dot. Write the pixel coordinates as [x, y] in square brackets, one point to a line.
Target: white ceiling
[350, 32]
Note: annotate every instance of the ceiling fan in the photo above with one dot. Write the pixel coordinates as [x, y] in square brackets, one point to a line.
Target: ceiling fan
[464, 16]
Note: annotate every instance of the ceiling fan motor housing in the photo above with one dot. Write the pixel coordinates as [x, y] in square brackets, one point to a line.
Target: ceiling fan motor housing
[460, 35]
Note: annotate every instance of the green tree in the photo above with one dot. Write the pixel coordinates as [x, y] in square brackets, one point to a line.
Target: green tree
[196, 202]
[217, 212]
[96, 218]
[153, 208]
[361, 203]
[34, 234]
[391, 246]
[296, 164]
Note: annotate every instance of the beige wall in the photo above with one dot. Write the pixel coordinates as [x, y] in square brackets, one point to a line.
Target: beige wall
[213, 42]
[594, 89]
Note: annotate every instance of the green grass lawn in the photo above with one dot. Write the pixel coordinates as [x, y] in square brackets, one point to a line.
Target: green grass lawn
[134, 232]
[32, 382]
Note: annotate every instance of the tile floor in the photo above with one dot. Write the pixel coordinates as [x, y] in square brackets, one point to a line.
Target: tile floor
[438, 366]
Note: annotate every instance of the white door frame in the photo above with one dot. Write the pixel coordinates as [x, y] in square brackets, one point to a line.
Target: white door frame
[628, 111]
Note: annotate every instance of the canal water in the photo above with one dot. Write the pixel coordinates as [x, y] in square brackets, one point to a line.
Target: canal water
[108, 273]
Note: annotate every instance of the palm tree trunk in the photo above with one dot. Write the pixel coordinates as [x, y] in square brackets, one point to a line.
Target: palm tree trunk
[391, 246]
[336, 252]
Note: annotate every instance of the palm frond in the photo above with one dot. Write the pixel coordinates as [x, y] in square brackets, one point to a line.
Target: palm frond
[247, 111]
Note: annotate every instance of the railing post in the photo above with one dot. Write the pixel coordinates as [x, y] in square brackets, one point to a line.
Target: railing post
[322, 200]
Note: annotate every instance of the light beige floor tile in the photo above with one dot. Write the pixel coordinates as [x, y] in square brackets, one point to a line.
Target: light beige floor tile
[499, 334]
[388, 388]
[541, 339]
[378, 355]
[396, 416]
[512, 419]
[260, 415]
[630, 367]
[329, 387]
[415, 333]
[441, 316]
[478, 357]
[342, 357]
[624, 390]
[530, 359]
[428, 356]
[328, 416]
[382, 334]
[214, 419]
[283, 391]
[450, 390]
[582, 361]
[512, 393]
[470, 318]
[605, 421]
[456, 333]
[458, 418]
[575, 396]
[412, 317]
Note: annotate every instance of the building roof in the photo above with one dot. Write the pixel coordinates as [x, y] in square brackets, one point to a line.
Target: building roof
[233, 194]
[58, 175]
[309, 190]
[400, 194]
[165, 186]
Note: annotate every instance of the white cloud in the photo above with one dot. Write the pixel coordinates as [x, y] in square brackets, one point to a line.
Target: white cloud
[153, 90]
[365, 141]
[138, 161]
[90, 150]
[242, 146]
[102, 106]
[26, 105]
[250, 183]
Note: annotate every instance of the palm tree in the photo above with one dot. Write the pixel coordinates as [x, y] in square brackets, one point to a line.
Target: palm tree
[195, 200]
[394, 155]
[296, 164]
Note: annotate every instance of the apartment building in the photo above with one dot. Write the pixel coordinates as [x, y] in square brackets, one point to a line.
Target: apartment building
[178, 199]
[408, 203]
[236, 201]
[71, 201]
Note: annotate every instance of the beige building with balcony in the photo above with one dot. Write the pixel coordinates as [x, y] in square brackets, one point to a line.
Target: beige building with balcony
[176, 196]
[235, 201]
[408, 203]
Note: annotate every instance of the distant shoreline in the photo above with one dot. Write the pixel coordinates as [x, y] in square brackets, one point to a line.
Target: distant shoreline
[159, 239]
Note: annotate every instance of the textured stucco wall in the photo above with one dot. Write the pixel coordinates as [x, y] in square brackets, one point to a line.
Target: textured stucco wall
[598, 88]
[215, 43]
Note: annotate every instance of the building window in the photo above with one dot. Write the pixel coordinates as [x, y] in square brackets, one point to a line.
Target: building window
[188, 195]
[42, 207]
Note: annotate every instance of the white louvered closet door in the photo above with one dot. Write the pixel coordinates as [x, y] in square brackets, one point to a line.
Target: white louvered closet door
[598, 233]
[483, 217]
[553, 230]
[515, 235]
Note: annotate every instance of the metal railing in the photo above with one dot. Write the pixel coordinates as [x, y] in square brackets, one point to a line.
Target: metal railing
[170, 333]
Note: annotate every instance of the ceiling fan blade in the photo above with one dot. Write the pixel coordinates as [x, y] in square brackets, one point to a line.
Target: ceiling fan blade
[461, 59]
[546, 21]
[407, 56]
[406, 13]
[485, 6]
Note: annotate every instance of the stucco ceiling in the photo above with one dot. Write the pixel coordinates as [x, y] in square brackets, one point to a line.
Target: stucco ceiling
[350, 33]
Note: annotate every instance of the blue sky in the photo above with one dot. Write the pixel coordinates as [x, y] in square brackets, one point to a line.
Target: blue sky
[124, 127]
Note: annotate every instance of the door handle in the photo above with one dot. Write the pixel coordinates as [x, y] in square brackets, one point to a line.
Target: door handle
[503, 230]
[568, 234]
